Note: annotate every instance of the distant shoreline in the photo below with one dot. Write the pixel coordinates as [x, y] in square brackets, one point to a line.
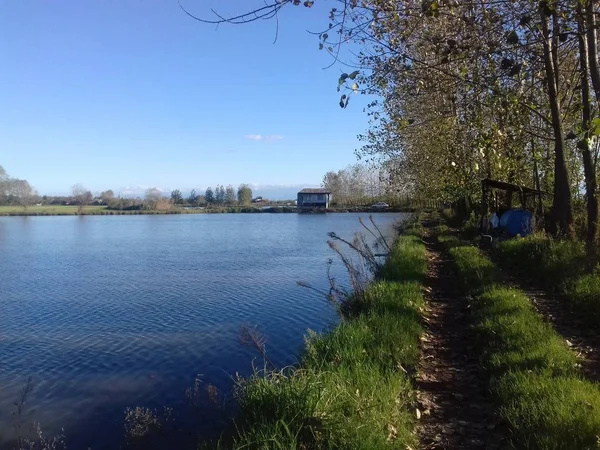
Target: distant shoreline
[103, 211]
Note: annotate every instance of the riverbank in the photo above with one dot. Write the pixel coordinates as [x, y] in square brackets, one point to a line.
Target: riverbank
[354, 385]
[60, 210]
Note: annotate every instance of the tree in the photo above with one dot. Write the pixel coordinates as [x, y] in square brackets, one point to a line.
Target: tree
[22, 191]
[107, 196]
[230, 195]
[209, 195]
[82, 196]
[176, 197]
[471, 90]
[153, 197]
[193, 198]
[244, 194]
[220, 194]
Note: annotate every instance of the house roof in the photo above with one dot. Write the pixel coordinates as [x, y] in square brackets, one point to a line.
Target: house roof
[314, 191]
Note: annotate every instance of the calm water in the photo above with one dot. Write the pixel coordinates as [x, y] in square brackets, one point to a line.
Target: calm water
[109, 312]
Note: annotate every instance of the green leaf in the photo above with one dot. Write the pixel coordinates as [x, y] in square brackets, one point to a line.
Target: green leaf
[353, 75]
[595, 128]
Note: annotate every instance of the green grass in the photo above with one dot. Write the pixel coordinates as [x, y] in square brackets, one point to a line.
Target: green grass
[407, 260]
[449, 241]
[441, 229]
[352, 388]
[557, 265]
[516, 338]
[585, 294]
[49, 210]
[552, 262]
[533, 373]
[474, 270]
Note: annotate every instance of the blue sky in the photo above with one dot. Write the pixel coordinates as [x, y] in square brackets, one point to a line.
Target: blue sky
[131, 93]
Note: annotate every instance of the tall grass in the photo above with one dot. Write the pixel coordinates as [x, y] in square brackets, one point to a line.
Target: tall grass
[352, 388]
[557, 265]
[533, 373]
[552, 262]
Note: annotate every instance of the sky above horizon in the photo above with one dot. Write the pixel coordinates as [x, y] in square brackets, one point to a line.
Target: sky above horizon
[116, 94]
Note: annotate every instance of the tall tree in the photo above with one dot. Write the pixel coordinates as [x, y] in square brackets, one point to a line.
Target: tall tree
[82, 196]
[229, 195]
[220, 194]
[107, 196]
[244, 194]
[23, 192]
[209, 195]
[176, 197]
[153, 197]
[193, 198]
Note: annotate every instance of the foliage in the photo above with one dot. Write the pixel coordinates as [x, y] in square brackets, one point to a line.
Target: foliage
[360, 184]
[193, 198]
[176, 197]
[81, 196]
[209, 195]
[469, 91]
[230, 196]
[154, 199]
[15, 191]
[220, 194]
[244, 194]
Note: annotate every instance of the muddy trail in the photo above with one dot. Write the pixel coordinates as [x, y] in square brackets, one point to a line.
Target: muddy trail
[573, 326]
[455, 406]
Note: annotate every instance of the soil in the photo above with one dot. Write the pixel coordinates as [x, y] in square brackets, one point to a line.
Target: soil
[456, 410]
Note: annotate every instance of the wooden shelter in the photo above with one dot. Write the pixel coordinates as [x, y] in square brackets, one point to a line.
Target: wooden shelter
[525, 193]
[318, 198]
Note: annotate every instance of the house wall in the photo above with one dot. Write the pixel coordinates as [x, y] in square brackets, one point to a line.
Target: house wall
[313, 200]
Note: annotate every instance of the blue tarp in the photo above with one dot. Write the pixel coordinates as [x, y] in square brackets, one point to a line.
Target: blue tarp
[517, 221]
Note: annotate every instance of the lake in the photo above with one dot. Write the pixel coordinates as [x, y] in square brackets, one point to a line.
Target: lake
[109, 312]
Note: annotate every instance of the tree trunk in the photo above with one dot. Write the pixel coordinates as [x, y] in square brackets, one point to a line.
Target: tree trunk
[591, 38]
[562, 213]
[589, 168]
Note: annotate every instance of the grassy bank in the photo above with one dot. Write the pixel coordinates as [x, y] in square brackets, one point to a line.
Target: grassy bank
[62, 210]
[557, 265]
[533, 373]
[352, 388]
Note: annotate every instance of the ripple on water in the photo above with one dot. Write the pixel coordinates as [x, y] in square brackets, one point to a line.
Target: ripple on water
[109, 312]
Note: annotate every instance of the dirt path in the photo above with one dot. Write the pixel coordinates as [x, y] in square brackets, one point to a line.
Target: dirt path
[455, 405]
[567, 322]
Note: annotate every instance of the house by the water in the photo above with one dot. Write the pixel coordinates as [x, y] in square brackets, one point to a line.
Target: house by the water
[313, 198]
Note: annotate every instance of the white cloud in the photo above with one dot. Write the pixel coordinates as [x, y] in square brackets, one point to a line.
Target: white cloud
[264, 137]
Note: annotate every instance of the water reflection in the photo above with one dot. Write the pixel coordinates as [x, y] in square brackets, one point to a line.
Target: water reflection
[110, 312]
